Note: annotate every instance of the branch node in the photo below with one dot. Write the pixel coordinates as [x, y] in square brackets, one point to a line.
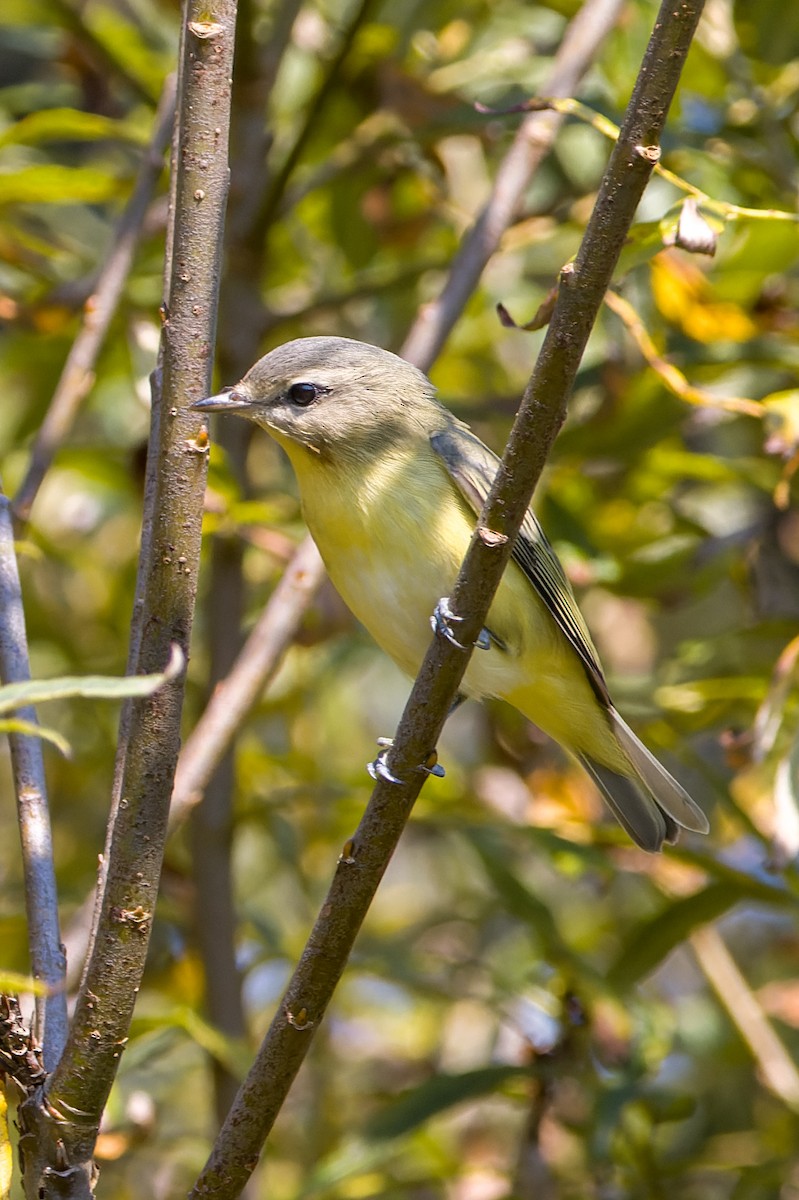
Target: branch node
[650, 154]
[299, 1020]
[347, 856]
[491, 537]
[431, 766]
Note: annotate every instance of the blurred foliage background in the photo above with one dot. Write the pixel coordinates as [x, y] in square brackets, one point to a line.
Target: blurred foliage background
[535, 1008]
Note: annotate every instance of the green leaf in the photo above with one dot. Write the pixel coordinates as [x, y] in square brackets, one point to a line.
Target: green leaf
[12, 981]
[123, 41]
[31, 729]
[68, 124]
[57, 185]
[231, 1053]
[520, 901]
[436, 1095]
[97, 687]
[653, 940]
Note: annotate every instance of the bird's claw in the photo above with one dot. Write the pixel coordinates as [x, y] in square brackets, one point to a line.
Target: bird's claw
[377, 767]
[379, 770]
[444, 618]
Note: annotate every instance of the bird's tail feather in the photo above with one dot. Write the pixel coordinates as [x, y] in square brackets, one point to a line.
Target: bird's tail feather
[668, 793]
[650, 804]
[635, 810]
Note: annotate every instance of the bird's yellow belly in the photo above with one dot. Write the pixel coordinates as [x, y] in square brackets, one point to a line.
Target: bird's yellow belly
[391, 576]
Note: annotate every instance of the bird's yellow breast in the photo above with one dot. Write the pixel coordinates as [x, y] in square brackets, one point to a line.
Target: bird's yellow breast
[393, 534]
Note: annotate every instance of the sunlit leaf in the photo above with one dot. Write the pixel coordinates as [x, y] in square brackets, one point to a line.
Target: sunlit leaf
[68, 124]
[13, 982]
[30, 729]
[97, 687]
[6, 1149]
[53, 184]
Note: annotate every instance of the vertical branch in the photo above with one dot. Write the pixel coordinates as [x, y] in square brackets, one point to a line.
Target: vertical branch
[48, 961]
[63, 1127]
[242, 311]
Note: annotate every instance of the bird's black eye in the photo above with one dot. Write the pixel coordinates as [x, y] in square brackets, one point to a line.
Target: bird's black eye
[303, 394]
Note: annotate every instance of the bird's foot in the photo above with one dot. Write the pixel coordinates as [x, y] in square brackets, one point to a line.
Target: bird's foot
[444, 618]
[378, 769]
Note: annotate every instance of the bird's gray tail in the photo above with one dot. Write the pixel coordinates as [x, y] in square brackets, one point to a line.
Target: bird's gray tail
[649, 802]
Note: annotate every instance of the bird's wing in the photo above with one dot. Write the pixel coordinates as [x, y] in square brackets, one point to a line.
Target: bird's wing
[472, 467]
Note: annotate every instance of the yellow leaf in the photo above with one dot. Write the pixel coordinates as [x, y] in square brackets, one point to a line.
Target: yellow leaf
[685, 297]
[6, 1155]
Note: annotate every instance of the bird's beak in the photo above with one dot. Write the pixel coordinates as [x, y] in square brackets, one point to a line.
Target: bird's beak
[231, 401]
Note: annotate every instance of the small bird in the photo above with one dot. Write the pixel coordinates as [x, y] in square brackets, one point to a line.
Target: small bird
[391, 484]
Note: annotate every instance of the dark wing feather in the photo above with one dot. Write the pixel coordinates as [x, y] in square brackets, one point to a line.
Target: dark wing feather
[472, 467]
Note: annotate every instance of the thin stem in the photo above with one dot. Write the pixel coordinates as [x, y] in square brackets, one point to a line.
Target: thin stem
[672, 376]
[239, 691]
[531, 145]
[776, 1065]
[48, 960]
[274, 195]
[366, 856]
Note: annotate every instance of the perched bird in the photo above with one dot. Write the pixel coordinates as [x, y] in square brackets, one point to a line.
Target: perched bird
[391, 484]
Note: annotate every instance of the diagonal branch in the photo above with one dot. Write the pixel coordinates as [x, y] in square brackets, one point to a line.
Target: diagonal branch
[530, 147]
[776, 1065]
[77, 376]
[239, 690]
[367, 855]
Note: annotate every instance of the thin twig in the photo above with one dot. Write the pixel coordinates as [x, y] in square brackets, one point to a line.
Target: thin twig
[238, 692]
[366, 856]
[63, 1126]
[672, 377]
[776, 1065]
[274, 195]
[569, 107]
[531, 145]
[77, 376]
[48, 961]
[369, 285]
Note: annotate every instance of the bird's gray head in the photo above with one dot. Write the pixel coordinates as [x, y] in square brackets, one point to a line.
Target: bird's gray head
[332, 395]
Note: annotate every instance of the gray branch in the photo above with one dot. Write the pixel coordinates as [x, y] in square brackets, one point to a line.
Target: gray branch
[48, 960]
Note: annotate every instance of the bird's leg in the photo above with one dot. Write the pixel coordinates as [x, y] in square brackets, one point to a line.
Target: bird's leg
[444, 618]
[379, 770]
